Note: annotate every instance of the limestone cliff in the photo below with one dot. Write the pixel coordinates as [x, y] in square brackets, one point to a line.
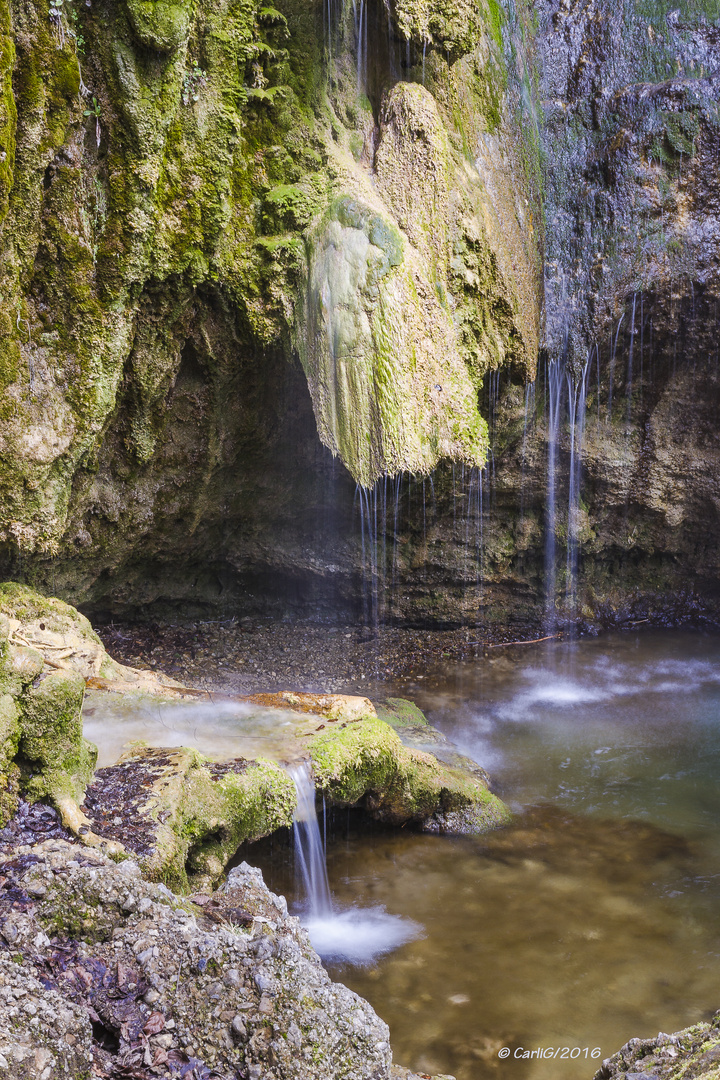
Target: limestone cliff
[229, 229]
[186, 188]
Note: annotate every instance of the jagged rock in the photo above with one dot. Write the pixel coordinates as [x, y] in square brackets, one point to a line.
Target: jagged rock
[693, 1052]
[111, 971]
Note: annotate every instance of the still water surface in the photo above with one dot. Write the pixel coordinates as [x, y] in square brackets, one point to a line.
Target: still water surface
[596, 917]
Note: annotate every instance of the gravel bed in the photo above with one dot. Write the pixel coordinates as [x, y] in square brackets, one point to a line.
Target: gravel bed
[244, 657]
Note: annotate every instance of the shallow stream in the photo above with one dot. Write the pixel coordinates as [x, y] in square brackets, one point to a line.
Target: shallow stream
[596, 917]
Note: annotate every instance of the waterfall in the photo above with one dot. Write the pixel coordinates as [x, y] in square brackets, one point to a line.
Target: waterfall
[560, 379]
[310, 865]
[528, 418]
[554, 393]
[577, 400]
[629, 383]
[355, 935]
[612, 366]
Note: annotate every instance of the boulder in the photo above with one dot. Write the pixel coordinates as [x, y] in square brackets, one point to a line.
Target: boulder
[183, 817]
[103, 972]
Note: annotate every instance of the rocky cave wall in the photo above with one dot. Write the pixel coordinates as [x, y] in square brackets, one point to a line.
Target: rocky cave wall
[229, 229]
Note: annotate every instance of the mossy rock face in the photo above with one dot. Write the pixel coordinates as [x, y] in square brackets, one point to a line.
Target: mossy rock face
[57, 759]
[366, 764]
[160, 232]
[9, 771]
[162, 25]
[26, 605]
[400, 713]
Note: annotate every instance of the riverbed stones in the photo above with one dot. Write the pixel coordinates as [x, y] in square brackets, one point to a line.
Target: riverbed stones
[102, 972]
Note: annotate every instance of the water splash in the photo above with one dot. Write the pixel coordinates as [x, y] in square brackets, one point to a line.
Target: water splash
[353, 935]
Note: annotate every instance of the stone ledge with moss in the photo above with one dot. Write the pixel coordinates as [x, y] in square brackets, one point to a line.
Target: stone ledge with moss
[390, 761]
[693, 1053]
[366, 764]
[184, 817]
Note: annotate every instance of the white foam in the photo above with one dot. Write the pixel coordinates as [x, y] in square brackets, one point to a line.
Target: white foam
[359, 935]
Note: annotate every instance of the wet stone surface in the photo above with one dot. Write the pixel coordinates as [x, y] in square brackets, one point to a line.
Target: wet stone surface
[115, 797]
[31, 824]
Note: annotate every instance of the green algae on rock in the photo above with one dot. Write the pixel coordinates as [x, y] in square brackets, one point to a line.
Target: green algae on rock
[42, 749]
[171, 233]
[365, 763]
[47, 651]
[56, 761]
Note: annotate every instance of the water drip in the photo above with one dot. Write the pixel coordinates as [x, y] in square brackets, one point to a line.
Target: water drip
[628, 388]
[612, 366]
[528, 419]
[554, 391]
[577, 399]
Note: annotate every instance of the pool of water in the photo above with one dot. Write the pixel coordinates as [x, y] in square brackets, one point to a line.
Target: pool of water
[596, 916]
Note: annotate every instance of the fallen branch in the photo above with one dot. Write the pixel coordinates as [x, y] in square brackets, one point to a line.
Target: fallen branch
[504, 644]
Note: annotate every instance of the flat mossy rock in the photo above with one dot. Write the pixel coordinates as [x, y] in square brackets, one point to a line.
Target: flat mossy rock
[366, 764]
[414, 730]
[184, 817]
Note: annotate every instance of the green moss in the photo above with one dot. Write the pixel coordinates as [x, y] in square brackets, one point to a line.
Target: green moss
[218, 813]
[57, 761]
[21, 602]
[9, 772]
[400, 713]
[160, 24]
[367, 762]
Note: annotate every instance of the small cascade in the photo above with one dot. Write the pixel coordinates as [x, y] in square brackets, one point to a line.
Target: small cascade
[310, 865]
[353, 935]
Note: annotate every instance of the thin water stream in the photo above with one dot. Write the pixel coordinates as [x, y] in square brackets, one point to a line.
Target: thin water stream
[596, 917]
